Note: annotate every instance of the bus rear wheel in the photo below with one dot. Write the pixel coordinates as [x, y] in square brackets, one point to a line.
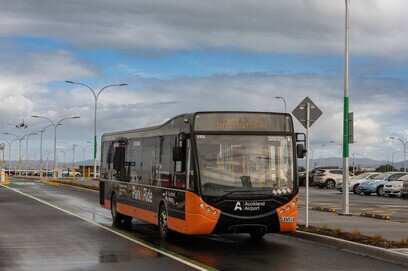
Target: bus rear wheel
[165, 233]
[116, 216]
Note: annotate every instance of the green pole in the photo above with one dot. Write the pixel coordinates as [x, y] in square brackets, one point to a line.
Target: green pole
[346, 128]
[94, 147]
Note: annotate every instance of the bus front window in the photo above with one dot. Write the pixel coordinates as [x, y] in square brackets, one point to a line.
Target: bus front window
[245, 162]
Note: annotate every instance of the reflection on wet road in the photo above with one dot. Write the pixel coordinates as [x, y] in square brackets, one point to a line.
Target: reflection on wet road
[71, 244]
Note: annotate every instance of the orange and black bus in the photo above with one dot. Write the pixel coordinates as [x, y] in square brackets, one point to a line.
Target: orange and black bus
[205, 172]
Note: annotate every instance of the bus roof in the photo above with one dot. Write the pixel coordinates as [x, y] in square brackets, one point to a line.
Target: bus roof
[187, 118]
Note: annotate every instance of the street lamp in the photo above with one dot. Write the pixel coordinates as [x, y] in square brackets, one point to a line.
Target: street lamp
[284, 102]
[41, 135]
[9, 150]
[55, 124]
[393, 155]
[96, 96]
[313, 151]
[83, 156]
[19, 149]
[346, 174]
[405, 151]
[26, 158]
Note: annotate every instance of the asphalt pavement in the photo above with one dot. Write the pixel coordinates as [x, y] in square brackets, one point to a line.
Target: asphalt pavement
[36, 236]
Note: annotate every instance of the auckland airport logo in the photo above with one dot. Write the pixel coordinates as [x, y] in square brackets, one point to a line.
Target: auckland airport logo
[238, 206]
[249, 206]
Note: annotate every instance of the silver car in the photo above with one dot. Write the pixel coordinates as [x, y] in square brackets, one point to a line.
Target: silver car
[327, 178]
[404, 192]
[394, 188]
[355, 181]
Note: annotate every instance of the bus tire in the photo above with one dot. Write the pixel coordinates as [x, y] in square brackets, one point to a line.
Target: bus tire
[257, 235]
[165, 233]
[116, 216]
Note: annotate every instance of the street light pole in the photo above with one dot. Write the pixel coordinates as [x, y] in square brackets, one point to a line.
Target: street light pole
[96, 96]
[41, 153]
[284, 102]
[83, 156]
[405, 151]
[55, 124]
[345, 203]
[19, 149]
[26, 158]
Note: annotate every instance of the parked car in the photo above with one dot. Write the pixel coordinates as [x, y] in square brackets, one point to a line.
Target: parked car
[404, 192]
[356, 180]
[376, 185]
[302, 174]
[394, 188]
[70, 174]
[327, 177]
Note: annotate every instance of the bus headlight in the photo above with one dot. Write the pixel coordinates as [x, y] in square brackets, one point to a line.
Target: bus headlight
[287, 208]
[293, 203]
[201, 205]
[208, 209]
[215, 212]
[281, 211]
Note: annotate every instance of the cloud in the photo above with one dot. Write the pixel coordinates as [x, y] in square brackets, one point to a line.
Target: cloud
[377, 28]
[128, 108]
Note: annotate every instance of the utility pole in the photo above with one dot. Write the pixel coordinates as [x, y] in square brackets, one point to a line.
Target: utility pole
[346, 175]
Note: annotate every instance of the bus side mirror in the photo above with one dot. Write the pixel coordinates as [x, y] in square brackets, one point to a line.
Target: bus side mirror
[178, 154]
[300, 151]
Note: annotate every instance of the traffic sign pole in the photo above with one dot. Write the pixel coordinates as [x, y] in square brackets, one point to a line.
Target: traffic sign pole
[307, 113]
[307, 162]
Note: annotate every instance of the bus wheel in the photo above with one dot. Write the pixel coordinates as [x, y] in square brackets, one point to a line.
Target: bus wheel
[257, 235]
[163, 226]
[116, 216]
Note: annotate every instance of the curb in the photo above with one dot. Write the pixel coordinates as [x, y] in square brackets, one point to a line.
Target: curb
[383, 217]
[88, 188]
[356, 248]
[323, 209]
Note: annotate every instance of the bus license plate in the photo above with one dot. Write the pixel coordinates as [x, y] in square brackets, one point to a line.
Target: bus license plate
[289, 219]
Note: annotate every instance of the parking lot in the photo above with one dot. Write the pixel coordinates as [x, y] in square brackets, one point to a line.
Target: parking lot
[395, 208]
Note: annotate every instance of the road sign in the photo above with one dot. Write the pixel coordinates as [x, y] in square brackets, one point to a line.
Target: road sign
[300, 112]
[307, 113]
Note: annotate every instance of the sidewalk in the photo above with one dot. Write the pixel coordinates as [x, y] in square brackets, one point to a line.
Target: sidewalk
[394, 231]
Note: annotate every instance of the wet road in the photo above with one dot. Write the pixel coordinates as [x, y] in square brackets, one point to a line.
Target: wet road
[34, 236]
[396, 208]
[48, 239]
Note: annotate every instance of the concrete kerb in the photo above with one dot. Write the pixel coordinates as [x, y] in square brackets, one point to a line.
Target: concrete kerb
[324, 209]
[383, 217]
[368, 215]
[78, 187]
[356, 248]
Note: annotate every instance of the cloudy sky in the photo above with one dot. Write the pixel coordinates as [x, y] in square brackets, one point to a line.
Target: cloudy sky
[181, 56]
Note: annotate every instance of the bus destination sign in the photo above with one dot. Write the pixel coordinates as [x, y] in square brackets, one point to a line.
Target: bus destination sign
[242, 122]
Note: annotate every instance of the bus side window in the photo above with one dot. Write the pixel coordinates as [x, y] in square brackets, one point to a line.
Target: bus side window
[179, 176]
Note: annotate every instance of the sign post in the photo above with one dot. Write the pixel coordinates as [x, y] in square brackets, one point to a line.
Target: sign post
[307, 113]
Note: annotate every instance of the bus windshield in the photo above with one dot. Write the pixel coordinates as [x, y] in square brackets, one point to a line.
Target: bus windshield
[230, 163]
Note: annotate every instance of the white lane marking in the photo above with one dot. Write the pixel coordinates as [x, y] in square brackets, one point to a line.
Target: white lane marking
[108, 229]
